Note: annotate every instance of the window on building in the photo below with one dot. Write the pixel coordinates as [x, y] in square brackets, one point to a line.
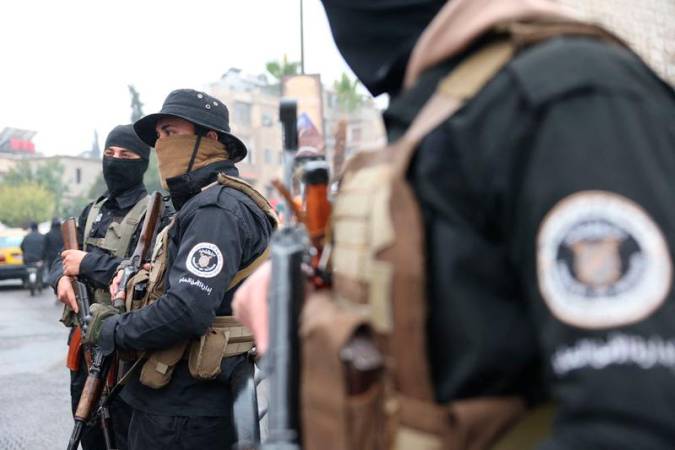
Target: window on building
[78, 176]
[242, 114]
[266, 120]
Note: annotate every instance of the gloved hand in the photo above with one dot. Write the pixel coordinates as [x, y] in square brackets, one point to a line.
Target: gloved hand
[99, 312]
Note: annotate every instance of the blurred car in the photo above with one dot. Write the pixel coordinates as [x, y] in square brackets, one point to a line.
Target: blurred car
[11, 258]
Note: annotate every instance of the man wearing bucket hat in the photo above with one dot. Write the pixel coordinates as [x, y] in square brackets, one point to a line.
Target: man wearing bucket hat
[108, 230]
[198, 369]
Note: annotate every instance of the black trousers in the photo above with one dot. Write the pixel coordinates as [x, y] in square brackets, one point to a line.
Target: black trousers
[120, 415]
[149, 431]
[152, 432]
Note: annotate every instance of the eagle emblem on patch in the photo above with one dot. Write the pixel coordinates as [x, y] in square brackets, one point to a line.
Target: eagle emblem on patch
[601, 261]
[204, 260]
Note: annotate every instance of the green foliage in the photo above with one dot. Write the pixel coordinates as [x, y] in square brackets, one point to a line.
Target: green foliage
[47, 175]
[24, 203]
[151, 178]
[348, 98]
[280, 69]
[74, 207]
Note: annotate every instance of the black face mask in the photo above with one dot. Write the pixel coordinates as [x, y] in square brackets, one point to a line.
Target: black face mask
[376, 36]
[121, 175]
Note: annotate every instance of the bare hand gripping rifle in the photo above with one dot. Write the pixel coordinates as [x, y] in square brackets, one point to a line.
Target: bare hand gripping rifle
[95, 395]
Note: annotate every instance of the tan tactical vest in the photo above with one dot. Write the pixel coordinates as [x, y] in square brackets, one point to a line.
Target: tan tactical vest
[379, 280]
[226, 337]
[117, 237]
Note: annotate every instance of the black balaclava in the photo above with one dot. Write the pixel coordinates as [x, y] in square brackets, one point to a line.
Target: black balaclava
[120, 175]
[376, 37]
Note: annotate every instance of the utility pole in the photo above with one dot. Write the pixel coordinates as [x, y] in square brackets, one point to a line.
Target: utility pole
[302, 42]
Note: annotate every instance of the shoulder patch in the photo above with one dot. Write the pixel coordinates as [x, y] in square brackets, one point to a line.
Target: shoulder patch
[204, 260]
[601, 261]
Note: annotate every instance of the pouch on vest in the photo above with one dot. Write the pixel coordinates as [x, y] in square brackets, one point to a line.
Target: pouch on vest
[226, 337]
[158, 369]
[334, 418]
[378, 266]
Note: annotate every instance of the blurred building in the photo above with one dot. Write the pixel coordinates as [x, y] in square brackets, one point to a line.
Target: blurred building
[79, 173]
[648, 26]
[253, 102]
[254, 118]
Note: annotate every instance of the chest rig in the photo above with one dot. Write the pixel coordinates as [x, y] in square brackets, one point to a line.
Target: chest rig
[378, 265]
[225, 337]
[117, 237]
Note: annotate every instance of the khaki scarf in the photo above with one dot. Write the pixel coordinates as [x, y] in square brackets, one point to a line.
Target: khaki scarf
[174, 153]
[459, 22]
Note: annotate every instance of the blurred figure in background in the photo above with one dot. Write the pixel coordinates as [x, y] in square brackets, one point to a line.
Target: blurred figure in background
[53, 242]
[32, 247]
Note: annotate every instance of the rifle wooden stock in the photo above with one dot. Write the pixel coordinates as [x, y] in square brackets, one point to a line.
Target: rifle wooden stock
[143, 247]
[69, 234]
[149, 229]
[91, 394]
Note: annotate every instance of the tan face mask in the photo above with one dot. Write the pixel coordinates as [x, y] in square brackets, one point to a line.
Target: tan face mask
[174, 154]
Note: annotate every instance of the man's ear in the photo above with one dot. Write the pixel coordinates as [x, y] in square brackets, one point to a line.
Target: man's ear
[212, 135]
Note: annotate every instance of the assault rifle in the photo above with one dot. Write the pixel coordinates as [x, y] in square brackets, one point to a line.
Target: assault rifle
[141, 254]
[299, 256]
[288, 250]
[69, 235]
[95, 395]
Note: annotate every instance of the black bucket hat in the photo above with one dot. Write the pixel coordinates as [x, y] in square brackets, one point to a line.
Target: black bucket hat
[198, 108]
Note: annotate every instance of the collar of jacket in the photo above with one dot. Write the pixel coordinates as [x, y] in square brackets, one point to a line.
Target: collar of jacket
[130, 197]
[186, 186]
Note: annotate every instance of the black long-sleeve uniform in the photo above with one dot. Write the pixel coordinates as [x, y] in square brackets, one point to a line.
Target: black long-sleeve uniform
[548, 208]
[235, 231]
[98, 266]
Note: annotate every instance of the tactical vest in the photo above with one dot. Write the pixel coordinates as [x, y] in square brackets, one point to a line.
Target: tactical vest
[378, 267]
[226, 337]
[117, 237]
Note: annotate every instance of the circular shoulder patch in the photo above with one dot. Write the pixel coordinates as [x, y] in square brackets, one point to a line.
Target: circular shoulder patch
[601, 261]
[204, 260]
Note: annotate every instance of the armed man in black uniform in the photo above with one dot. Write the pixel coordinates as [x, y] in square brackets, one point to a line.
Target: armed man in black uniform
[546, 205]
[198, 359]
[108, 229]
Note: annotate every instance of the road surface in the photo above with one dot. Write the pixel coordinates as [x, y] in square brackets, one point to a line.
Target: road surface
[34, 387]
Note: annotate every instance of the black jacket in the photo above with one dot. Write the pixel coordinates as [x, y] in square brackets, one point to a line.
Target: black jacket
[33, 247]
[548, 208]
[236, 231]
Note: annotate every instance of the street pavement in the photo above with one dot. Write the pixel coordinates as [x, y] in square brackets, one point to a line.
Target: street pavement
[34, 382]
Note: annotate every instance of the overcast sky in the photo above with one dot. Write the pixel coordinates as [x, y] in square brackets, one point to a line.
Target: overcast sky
[66, 64]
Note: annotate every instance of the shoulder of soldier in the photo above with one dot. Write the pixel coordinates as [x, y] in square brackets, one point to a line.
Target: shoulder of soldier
[85, 211]
[572, 65]
[225, 198]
